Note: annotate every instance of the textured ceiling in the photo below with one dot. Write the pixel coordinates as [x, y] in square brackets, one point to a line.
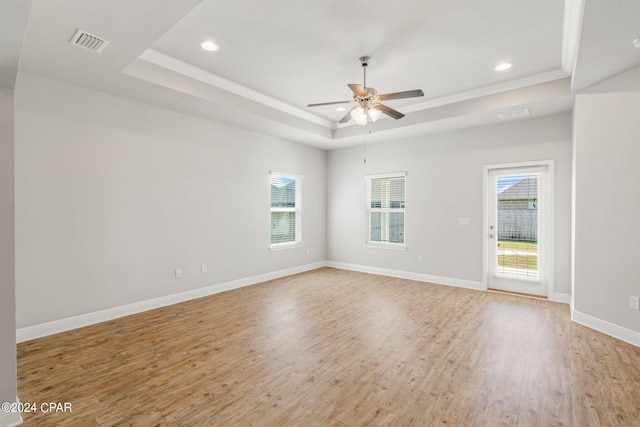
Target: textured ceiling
[606, 43]
[303, 52]
[277, 57]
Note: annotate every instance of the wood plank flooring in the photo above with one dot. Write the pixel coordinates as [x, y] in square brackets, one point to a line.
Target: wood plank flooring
[336, 348]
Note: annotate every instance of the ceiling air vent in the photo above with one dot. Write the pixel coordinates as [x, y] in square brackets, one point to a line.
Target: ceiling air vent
[514, 114]
[88, 41]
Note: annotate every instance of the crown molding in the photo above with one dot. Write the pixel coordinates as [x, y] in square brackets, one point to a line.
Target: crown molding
[488, 90]
[170, 63]
[571, 33]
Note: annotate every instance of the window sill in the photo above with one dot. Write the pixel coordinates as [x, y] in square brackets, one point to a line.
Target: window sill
[285, 246]
[387, 246]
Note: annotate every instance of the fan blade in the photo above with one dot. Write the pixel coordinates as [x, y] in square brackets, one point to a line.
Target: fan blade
[389, 111]
[347, 116]
[400, 95]
[329, 103]
[359, 90]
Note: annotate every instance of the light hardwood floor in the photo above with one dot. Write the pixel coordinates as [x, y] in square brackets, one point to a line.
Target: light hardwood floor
[336, 348]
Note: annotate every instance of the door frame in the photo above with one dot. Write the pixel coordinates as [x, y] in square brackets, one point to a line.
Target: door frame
[549, 256]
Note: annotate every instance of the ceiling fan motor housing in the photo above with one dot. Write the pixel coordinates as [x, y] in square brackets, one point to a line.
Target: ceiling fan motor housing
[372, 96]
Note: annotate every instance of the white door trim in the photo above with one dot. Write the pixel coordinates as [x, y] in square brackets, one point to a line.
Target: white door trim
[550, 226]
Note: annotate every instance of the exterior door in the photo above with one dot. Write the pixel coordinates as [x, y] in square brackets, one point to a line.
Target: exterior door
[518, 218]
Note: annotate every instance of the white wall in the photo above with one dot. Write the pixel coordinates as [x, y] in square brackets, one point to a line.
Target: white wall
[7, 258]
[113, 195]
[607, 209]
[444, 183]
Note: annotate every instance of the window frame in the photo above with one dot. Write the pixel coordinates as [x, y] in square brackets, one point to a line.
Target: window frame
[297, 209]
[370, 210]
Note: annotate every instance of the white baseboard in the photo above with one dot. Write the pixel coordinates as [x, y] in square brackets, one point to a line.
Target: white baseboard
[560, 297]
[420, 277]
[460, 283]
[62, 325]
[10, 419]
[616, 331]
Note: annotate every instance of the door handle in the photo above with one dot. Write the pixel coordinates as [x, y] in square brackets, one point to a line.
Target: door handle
[491, 236]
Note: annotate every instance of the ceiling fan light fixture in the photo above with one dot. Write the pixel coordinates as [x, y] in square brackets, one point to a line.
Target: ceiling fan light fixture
[359, 115]
[367, 100]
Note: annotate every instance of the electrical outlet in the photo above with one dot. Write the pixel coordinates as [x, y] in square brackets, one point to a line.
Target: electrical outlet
[634, 303]
[420, 259]
[178, 273]
[203, 268]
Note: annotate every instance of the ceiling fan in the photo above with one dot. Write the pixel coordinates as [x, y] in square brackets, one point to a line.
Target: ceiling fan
[367, 101]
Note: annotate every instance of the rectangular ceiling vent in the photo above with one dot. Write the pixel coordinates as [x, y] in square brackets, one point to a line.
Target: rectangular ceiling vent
[88, 41]
[514, 114]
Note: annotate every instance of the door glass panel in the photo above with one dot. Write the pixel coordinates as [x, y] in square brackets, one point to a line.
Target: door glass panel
[517, 219]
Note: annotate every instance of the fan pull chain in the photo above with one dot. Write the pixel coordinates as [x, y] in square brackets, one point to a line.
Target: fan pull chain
[364, 147]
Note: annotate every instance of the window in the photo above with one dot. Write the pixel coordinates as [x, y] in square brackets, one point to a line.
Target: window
[286, 210]
[386, 208]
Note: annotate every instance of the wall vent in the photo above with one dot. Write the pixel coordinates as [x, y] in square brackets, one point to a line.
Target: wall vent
[88, 41]
[514, 114]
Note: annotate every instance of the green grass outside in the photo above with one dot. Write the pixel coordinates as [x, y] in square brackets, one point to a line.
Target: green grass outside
[528, 261]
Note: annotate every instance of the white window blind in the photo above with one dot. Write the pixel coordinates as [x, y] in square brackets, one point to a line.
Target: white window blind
[386, 208]
[518, 223]
[286, 209]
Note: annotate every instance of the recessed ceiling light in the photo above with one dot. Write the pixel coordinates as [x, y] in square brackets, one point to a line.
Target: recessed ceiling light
[341, 109]
[209, 45]
[504, 66]
[636, 42]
